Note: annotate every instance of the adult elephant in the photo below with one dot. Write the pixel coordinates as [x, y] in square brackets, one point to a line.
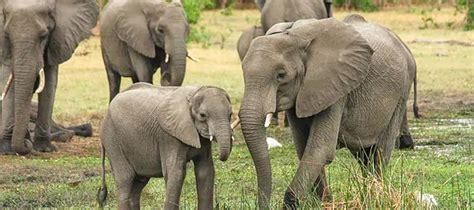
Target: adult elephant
[35, 37]
[338, 88]
[276, 11]
[138, 37]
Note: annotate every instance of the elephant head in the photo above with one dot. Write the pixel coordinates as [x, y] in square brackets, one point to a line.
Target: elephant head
[34, 34]
[144, 25]
[191, 112]
[307, 66]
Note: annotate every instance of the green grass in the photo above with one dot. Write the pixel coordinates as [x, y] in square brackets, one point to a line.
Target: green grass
[443, 165]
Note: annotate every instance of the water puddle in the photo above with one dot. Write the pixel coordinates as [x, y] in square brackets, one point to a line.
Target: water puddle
[448, 124]
[451, 139]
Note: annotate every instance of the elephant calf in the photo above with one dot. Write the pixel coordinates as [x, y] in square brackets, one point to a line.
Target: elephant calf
[154, 131]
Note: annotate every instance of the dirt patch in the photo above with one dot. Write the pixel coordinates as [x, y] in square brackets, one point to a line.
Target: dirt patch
[451, 102]
[12, 174]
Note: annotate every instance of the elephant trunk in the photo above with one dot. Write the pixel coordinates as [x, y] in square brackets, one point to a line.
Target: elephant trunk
[25, 72]
[175, 67]
[224, 139]
[252, 116]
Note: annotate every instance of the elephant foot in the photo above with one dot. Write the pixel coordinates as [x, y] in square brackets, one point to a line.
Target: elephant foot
[43, 144]
[62, 136]
[84, 130]
[290, 201]
[6, 148]
[406, 142]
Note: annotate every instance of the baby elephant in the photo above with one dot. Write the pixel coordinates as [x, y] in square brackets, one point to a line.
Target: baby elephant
[154, 131]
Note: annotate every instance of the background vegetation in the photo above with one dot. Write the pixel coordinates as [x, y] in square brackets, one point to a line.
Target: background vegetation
[442, 163]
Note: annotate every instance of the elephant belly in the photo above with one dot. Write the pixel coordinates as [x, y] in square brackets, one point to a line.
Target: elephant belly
[367, 115]
[146, 163]
[118, 57]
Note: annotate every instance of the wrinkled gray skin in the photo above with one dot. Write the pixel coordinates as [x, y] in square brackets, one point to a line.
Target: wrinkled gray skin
[37, 34]
[168, 127]
[342, 84]
[137, 35]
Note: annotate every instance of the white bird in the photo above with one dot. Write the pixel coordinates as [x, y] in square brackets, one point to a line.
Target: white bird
[272, 143]
[426, 199]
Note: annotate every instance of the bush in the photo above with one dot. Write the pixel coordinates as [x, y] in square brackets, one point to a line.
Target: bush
[193, 10]
[469, 24]
[363, 5]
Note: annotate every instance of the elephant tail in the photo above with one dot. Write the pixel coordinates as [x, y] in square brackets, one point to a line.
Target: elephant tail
[102, 192]
[415, 103]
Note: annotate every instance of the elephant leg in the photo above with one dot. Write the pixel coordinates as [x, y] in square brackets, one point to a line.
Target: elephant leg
[204, 171]
[405, 141]
[84, 130]
[388, 138]
[137, 186]
[42, 142]
[174, 157]
[321, 187]
[319, 151]
[59, 133]
[124, 184]
[366, 157]
[300, 129]
[8, 119]
[113, 77]
[142, 66]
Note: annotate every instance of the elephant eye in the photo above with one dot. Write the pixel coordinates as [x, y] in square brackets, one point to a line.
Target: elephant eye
[202, 116]
[160, 30]
[281, 75]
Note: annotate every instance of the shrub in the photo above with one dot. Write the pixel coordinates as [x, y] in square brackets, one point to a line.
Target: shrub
[469, 24]
[363, 5]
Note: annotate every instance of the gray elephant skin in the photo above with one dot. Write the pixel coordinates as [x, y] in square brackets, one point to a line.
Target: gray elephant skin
[138, 37]
[342, 84]
[35, 37]
[166, 128]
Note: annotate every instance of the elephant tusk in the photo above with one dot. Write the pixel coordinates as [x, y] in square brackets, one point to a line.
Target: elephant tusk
[7, 86]
[192, 58]
[232, 137]
[268, 120]
[211, 138]
[42, 82]
[235, 123]
[167, 58]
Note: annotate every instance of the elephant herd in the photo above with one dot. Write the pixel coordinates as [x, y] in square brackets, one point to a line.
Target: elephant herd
[340, 83]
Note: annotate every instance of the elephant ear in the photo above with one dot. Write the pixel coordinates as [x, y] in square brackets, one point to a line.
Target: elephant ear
[4, 54]
[74, 20]
[132, 27]
[338, 61]
[175, 116]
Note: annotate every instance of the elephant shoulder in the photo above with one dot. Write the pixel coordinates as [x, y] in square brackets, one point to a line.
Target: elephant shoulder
[354, 18]
[140, 85]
